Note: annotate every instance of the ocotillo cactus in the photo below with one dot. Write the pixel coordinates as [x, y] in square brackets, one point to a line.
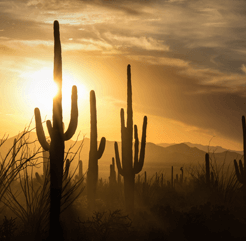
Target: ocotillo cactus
[66, 169]
[57, 136]
[128, 169]
[13, 163]
[207, 169]
[94, 155]
[241, 171]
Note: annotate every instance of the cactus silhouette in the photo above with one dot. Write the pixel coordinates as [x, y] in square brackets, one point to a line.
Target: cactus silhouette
[94, 155]
[241, 170]
[112, 177]
[58, 137]
[46, 162]
[128, 169]
[181, 175]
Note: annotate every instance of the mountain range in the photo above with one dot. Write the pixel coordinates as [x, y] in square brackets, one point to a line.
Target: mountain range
[158, 158]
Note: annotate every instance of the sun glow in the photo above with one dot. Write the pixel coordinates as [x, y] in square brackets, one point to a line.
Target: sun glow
[41, 90]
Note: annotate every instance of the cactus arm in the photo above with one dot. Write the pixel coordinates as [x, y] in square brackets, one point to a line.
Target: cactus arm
[49, 127]
[129, 101]
[113, 163]
[101, 147]
[239, 177]
[40, 130]
[93, 134]
[241, 168]
[74, 115]
[138, 164]
[136, 147]
[117, 158]
[122, 118]
[143, 142]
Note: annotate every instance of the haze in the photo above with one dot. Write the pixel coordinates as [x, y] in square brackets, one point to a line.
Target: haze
[188, 63]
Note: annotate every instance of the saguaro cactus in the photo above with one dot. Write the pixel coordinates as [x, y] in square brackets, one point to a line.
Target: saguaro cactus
[94, 155]
[241, 171]
[181, 175]
[112, 175]
[57, 136]
[128, 169]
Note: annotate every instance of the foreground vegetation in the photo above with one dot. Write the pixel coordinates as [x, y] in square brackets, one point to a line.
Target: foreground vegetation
[188, 210]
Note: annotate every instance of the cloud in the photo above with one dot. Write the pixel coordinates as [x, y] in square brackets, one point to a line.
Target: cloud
[139, 42]
[243, 68]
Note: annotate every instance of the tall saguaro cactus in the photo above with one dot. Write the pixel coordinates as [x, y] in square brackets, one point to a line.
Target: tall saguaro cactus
[241, 171]
[57, 136]
[94, 154]
[128, 169]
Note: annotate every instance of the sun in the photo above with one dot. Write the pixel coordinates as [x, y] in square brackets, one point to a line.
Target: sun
[41, 90]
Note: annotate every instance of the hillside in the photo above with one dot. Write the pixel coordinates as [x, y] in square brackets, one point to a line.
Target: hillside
[157, 158]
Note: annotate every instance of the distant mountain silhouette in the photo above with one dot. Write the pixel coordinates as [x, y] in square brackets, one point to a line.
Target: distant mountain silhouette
[157, 158]
[210, 149]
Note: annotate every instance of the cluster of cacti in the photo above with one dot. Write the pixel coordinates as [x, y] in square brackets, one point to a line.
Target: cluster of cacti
[53, 154]
[94, 155]
[179, 180]
[57, 136]
[128, 169]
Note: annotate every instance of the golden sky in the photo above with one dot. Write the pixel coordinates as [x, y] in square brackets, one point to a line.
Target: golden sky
[188, 63]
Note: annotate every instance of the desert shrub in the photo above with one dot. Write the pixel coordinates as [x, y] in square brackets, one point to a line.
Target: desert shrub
[31, 202]
[112, 225]
[222, 189]
[202, 222]
[7, 229]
